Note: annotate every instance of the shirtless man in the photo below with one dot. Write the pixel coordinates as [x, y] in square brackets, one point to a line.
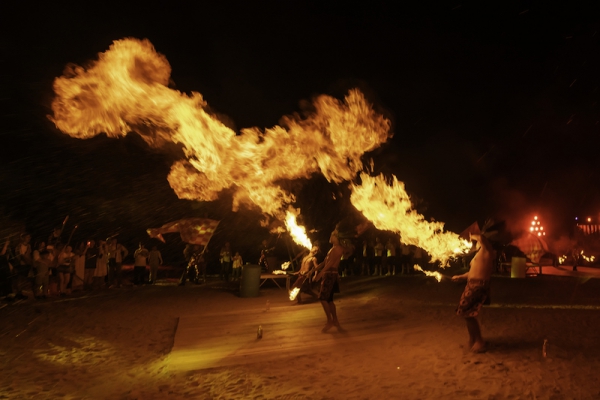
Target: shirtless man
[477, 291]
[329, 277]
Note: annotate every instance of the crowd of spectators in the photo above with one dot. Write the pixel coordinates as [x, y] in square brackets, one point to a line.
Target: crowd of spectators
[57, 268]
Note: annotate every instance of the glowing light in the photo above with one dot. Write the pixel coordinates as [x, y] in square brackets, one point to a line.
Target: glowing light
[127, 90]
[435, 274]
[294, 293]
[388, 207]
[297, 232]
[587, 258]
[536, 227]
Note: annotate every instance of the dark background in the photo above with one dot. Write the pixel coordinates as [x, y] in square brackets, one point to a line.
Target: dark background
[494, 108]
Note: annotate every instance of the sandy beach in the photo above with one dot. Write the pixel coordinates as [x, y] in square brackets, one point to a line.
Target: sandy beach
[401, 340]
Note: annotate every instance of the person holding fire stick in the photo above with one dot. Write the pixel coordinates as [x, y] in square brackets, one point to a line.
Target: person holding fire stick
[341, 239]
[303, 282]
[477, 290]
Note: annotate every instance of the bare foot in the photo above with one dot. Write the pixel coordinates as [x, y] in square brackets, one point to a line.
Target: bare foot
[478, 347]
[327, 327]
[339, 328]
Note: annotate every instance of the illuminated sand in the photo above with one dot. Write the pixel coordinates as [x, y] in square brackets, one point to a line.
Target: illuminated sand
[226, 339]
[123, 344]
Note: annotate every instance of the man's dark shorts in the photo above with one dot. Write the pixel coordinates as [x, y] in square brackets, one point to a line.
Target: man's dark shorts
[329, 286]
[475, 295]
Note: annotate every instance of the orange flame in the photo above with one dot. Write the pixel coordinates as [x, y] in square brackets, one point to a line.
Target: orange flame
[388, 207]
[297, 232]
[294, 293]
[435, 274]
[126, 89]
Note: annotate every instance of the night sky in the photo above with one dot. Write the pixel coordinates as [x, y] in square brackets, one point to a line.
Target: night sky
[494, 106]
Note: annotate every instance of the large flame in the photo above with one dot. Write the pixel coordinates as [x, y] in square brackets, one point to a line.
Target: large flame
[388, 206]
[297, 232]
[126, 90]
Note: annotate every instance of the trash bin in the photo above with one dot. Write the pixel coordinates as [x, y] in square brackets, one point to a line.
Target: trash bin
[517, 267]
[250, 282]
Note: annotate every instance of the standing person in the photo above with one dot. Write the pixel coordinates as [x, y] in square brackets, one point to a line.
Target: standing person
[190, 264]
[379, 259]
[200, 262]
[226, 261]
[154, 259]
[64, 266]
[265, 254]
[5, 270]
[42, 268]
[78, 277]
[405, 258]
[139, 266]
[35, 256]
[391, 261]
[367, 258]
[477, 290]
[23, 256]
[101, 272]
[329, 275]
[237, 266]
[116, 254]
[576, 256]
[91, 259]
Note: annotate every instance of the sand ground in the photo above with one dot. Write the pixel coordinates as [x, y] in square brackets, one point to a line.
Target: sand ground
[117, 343]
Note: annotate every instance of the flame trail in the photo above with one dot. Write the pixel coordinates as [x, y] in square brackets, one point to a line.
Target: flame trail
[435, 274]
[297, 232]
[126, 90]
[388, 207]
[294, 293]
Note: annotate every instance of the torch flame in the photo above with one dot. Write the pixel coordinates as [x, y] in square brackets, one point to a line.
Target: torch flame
[294, 293]
[126, 89]
[297, 232]
[435, 274]
[389, 207]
